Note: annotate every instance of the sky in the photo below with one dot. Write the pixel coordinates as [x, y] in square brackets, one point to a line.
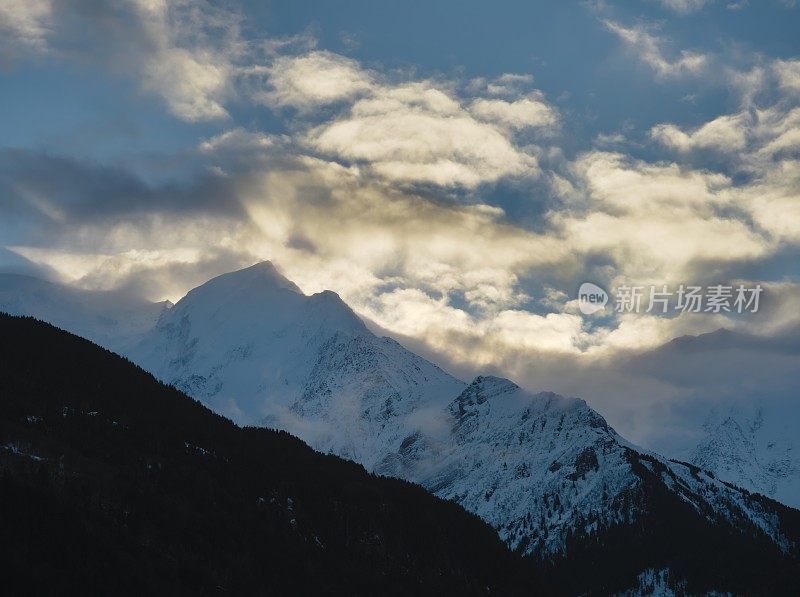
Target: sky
[454, 170]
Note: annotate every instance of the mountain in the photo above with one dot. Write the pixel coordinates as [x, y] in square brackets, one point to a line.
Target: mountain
[254, 348]
[112, 483]
[547, 472]
[744, 419]
[112, 319]
[741, 446]
[746, 439]
[538, 467]
[560, 485]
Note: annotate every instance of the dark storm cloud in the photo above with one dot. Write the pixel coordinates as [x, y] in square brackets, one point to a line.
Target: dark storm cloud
[44, 195]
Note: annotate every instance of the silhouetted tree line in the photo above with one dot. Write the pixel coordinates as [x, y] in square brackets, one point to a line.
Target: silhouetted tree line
[112, 483]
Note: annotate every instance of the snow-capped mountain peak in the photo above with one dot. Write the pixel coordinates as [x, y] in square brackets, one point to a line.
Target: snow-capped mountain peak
[262, 297]
[260, 276]
[252, 346]
[490, 396]
[484, 388]
[242, 290]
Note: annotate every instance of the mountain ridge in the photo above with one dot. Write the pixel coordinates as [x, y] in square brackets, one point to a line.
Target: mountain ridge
[113, 483]
[547, 472]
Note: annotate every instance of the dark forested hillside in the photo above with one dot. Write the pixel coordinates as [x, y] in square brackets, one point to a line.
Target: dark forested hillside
[112, 483]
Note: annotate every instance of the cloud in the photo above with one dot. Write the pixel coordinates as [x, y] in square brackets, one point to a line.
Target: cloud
[378, 194]
[417, 133]
[25, 23]
[720, 370]
[446, 273]
[185, 52]
[192, 56]
[788, 72]
[519, 114]
[333, 219]
[684, 6]
[314, 79]
[192, 84]
[507, 84]
[298, 210]
[741, 4]
[762, 145]
[662, 221]
[189, 60]
[383, 238]
[64, 202]
[609, 140]
[406, 130]
[725, 133]
[649, 49]
[757, 135]
[772, 202]
[778, 130]
[237, 139]
[447, 278]
[658, 222]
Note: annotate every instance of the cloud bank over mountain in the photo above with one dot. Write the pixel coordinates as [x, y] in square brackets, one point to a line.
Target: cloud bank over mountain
[456, 205]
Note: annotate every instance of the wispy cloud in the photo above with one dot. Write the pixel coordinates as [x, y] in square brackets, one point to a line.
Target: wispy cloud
[649, 48]
[184, 52]
[190, 57]
[25, 23]
[684, 6]
[725, 133]
[527, 112]
[788, 72]
[314, 79]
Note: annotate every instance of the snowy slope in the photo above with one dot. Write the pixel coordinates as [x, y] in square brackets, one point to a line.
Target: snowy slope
[111, 319]
[535, 466]
[753, 450]
[539, 467]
